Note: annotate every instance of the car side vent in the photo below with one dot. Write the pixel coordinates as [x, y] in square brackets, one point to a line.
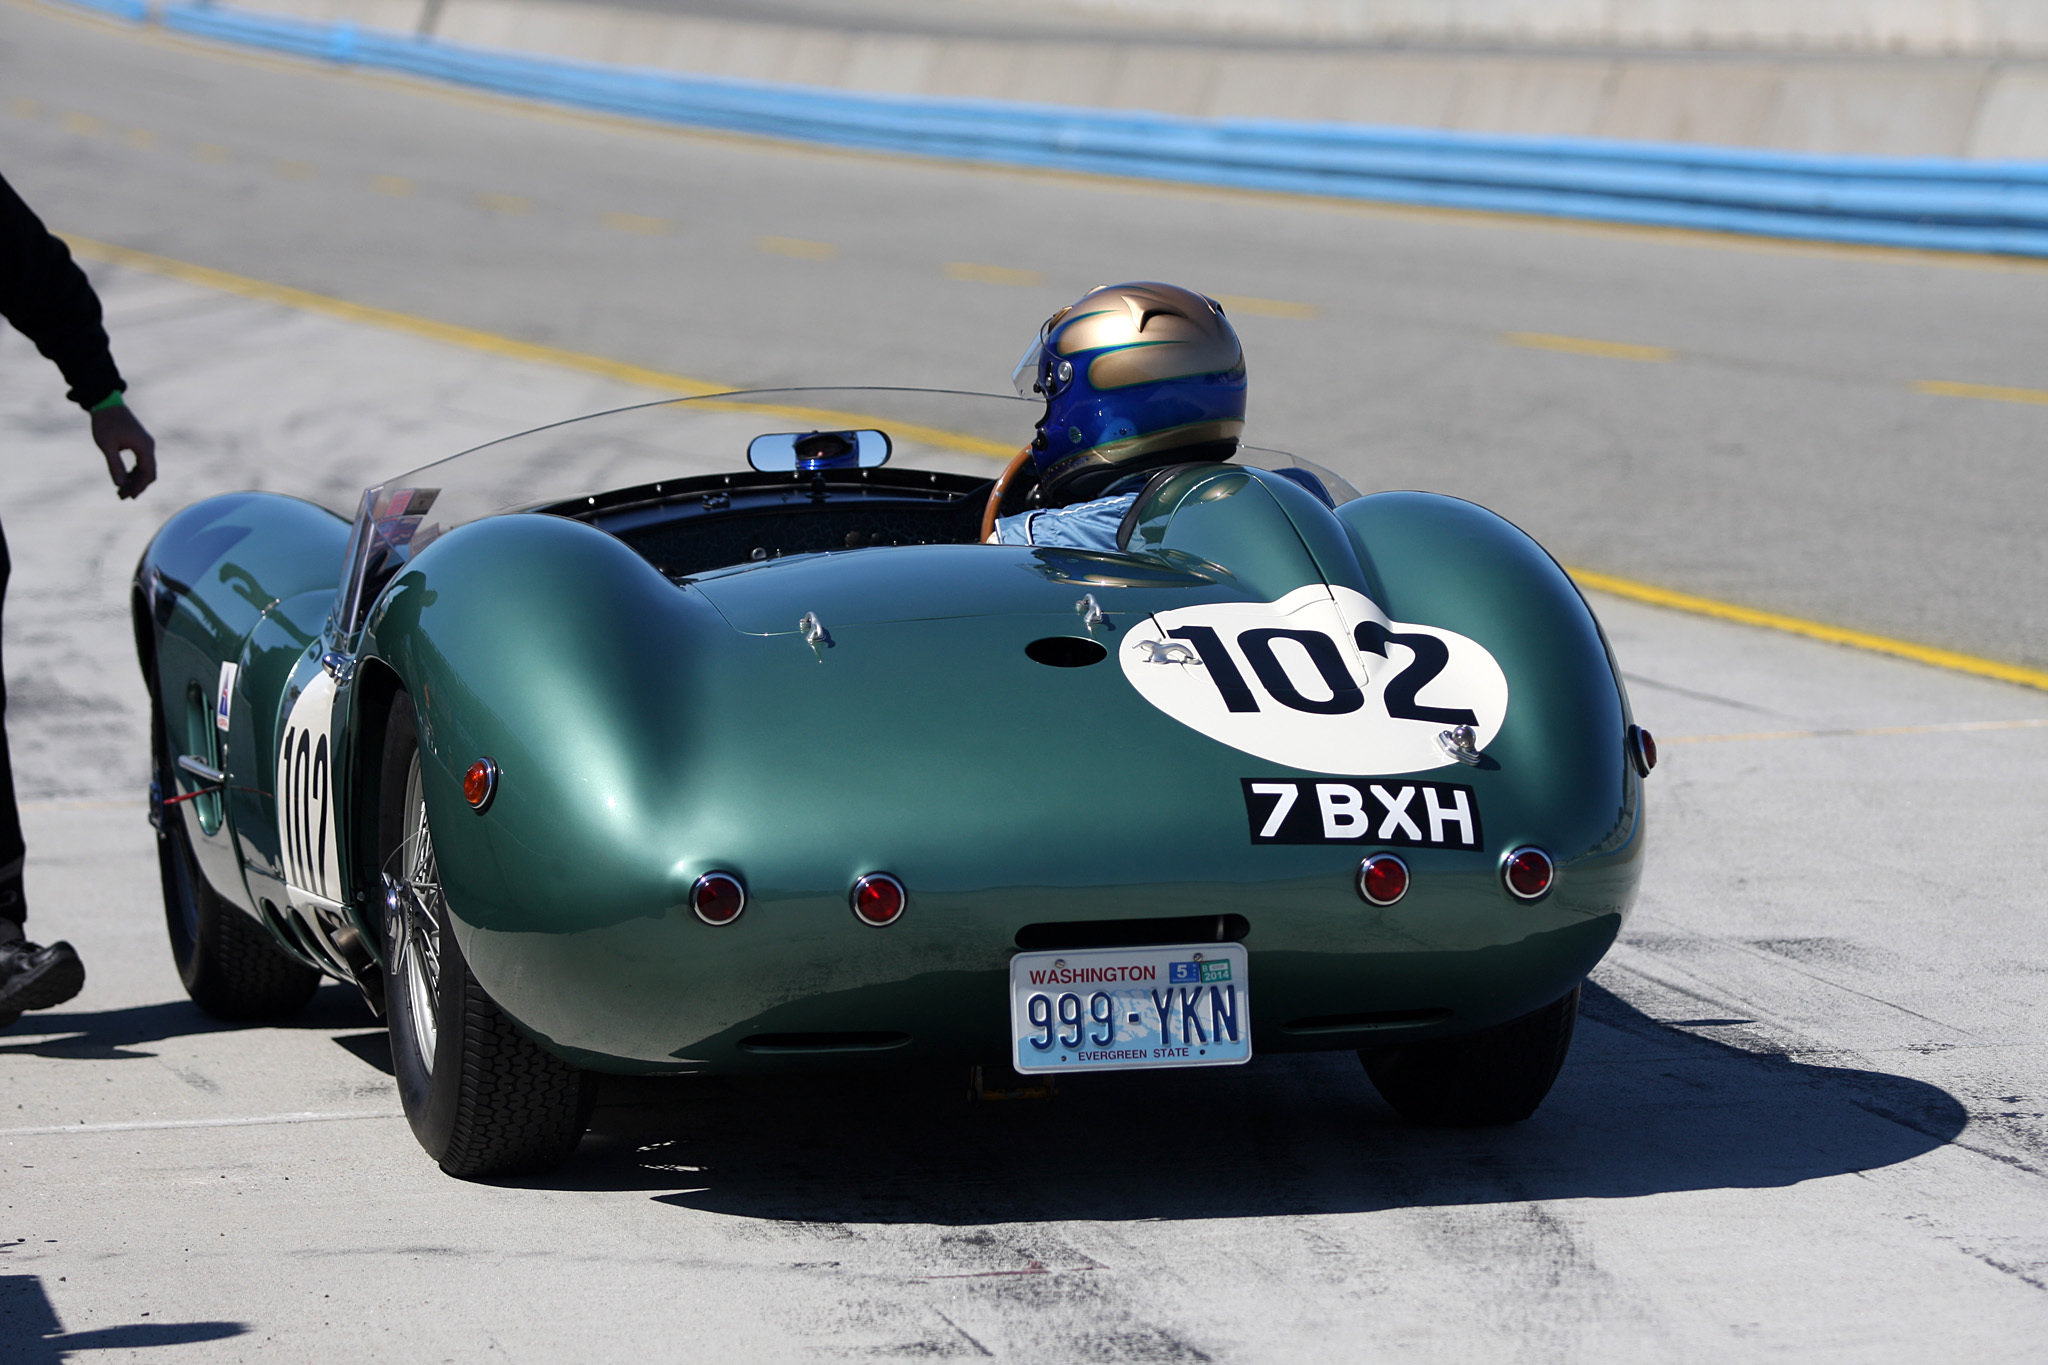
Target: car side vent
[1132, 933]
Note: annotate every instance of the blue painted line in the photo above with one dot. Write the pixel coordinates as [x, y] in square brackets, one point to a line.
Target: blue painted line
[1927, 203]
[134, 11]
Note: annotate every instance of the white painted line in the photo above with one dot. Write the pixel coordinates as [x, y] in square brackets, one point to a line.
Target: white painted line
[157, 1125]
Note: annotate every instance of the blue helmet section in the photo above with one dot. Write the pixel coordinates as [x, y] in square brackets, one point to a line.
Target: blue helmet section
[1131, 371]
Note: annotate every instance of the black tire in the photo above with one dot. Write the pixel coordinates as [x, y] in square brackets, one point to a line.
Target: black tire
[1485, 1079]
[231, 966]
[483, 1099]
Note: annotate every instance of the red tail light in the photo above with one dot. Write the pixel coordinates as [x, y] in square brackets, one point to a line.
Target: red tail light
[1382, 879]
[878, 899]
[1642, 750]
[1528, 872]
[718, 898]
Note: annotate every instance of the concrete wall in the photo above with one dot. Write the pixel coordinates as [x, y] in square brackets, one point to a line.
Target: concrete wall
[1986, 27]
[1973, 107]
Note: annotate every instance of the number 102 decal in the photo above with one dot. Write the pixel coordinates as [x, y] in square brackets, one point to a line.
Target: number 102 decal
[305, 798]
[1320, 680]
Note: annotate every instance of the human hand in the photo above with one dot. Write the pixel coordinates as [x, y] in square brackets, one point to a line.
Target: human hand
[116, 431]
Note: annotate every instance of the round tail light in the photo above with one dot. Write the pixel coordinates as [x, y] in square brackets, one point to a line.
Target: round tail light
[1528, 872]
[1642, 750]
[878, 899]
[1382, 879]
[718, 898]
[480, 783]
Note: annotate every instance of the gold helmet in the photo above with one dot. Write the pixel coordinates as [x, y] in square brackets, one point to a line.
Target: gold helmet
[1133, 375]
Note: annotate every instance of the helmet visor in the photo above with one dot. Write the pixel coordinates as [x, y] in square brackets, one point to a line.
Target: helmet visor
[1025, 377]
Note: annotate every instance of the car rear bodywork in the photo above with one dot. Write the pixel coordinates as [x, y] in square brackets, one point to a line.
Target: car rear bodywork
[798, 722]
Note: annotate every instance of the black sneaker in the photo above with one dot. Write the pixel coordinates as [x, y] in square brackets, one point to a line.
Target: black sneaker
[33, 978]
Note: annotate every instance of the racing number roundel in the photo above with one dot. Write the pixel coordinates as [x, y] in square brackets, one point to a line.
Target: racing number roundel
[305, 798]
[1319, 680]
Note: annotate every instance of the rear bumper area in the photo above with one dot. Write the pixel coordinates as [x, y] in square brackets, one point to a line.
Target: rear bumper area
[798, 984]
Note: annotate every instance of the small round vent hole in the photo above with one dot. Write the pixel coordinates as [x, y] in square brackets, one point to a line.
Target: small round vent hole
[1066, 651]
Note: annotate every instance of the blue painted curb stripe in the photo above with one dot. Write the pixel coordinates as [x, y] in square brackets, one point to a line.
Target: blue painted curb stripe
[1933, 203]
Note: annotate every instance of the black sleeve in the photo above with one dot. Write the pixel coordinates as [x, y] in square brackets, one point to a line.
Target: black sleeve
[49, 301]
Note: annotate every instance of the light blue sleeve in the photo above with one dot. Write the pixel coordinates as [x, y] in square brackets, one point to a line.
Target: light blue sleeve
[1084, 526]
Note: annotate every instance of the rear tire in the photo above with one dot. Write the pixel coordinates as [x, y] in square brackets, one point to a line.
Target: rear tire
[1497, 1076]
[230, 965]
[483, 1099]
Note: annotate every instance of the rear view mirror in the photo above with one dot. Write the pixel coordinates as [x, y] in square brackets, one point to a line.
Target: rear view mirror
[809, 451]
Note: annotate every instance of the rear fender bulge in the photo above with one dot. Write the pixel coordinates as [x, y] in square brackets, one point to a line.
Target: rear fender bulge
[553, 649]
[1563, 778]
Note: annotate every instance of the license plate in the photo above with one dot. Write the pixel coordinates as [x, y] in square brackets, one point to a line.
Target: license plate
[1119, 1009]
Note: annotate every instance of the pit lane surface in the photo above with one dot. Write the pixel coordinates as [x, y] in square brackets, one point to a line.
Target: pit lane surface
[1803, 1118]
[1804, 1115]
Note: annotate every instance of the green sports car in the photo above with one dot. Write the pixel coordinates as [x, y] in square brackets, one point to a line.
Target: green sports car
[716, 736]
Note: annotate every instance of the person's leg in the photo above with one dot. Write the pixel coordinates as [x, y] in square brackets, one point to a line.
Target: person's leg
[31, 978]
[13, 849]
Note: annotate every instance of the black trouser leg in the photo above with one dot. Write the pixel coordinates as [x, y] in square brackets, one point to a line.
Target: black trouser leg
[12, 849]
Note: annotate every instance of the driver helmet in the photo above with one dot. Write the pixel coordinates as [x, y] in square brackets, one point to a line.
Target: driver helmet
[1134, 376]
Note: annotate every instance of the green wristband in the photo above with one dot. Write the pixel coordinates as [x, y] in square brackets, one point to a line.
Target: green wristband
[112, 400]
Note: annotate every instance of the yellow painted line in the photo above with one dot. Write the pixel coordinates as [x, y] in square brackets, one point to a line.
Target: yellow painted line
[81, 123]
[1606, 350]
[390, 320]
[211, 151]
[641, 223]
[492, 344]
[1267, 308]
[1812, 630]
[505, 203]
[802, 248]
[992, 274]
[24, 106]
[1997, 393]
[394, 185]
[141, 139]
[295, 170]
[1967, 727]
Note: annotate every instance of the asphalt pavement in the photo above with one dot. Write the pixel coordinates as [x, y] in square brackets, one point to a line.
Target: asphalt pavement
[1804, 1116]
[1733, 418]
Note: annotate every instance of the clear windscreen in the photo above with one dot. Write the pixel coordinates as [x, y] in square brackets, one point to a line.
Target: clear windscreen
[950, 432]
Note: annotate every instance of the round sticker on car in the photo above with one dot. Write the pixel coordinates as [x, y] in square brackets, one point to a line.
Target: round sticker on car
[1319, 680]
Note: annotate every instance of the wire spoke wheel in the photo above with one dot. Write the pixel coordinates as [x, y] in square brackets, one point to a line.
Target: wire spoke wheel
[484, 1099]
[417, 913]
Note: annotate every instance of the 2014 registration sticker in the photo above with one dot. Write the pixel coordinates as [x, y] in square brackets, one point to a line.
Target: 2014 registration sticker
[1120, 1009]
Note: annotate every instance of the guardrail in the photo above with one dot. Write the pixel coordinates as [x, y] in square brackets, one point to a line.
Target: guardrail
[1937, 204]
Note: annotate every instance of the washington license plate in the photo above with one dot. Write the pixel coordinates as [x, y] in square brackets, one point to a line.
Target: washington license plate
[1118, 1009]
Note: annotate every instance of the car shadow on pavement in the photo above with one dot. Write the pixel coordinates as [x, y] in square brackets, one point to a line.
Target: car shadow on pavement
[32, 1335]
[1643, 1107]
[372, 1049]
[119, 1035]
